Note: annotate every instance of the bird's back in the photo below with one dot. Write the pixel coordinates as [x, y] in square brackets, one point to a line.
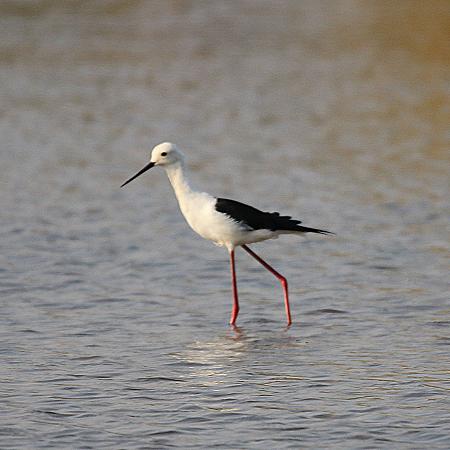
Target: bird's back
[261, 220]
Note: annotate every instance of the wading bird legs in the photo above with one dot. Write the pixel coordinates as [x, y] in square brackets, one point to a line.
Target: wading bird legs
[283, 281]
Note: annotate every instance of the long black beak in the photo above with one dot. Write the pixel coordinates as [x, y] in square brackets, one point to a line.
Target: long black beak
[148, 166]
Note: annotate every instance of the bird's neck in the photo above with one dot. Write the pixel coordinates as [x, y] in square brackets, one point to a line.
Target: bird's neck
[178, 179]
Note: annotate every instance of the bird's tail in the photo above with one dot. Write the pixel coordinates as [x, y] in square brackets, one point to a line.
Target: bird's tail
[276, 222]
[287, 223]
[301, 229]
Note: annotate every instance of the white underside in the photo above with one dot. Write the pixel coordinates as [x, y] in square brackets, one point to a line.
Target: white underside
[220, 228]
[198, 208]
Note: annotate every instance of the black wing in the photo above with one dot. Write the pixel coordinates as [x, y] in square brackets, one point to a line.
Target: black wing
[260, 220]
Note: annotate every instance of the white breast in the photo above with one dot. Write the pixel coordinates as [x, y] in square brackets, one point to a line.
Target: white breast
[201, 215]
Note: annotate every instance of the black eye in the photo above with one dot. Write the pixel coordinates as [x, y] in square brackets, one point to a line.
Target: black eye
[164, 154]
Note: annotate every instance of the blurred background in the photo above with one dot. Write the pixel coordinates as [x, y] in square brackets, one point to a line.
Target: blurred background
[336, 112]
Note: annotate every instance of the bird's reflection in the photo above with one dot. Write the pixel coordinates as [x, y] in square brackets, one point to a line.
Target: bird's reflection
[220, 360]
[213, 362]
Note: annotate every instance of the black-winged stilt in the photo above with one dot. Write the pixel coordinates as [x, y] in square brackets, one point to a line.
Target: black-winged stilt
[225, 222]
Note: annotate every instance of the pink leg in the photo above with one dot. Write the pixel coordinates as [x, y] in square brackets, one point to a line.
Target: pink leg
[283, 281]
[235, 310]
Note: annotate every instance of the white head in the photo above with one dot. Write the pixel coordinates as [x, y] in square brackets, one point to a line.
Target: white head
[165, 155]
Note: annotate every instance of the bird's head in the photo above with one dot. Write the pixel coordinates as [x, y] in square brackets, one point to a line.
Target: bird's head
[165, 155]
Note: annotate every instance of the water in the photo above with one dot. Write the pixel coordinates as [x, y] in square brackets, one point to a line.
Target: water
[114, 314]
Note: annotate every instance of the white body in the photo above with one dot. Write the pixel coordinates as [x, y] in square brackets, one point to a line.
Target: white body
[198, 208]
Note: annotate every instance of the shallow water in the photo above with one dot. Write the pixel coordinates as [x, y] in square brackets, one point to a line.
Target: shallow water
[114, 314]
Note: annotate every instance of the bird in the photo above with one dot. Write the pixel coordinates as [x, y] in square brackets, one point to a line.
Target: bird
[227, 223]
